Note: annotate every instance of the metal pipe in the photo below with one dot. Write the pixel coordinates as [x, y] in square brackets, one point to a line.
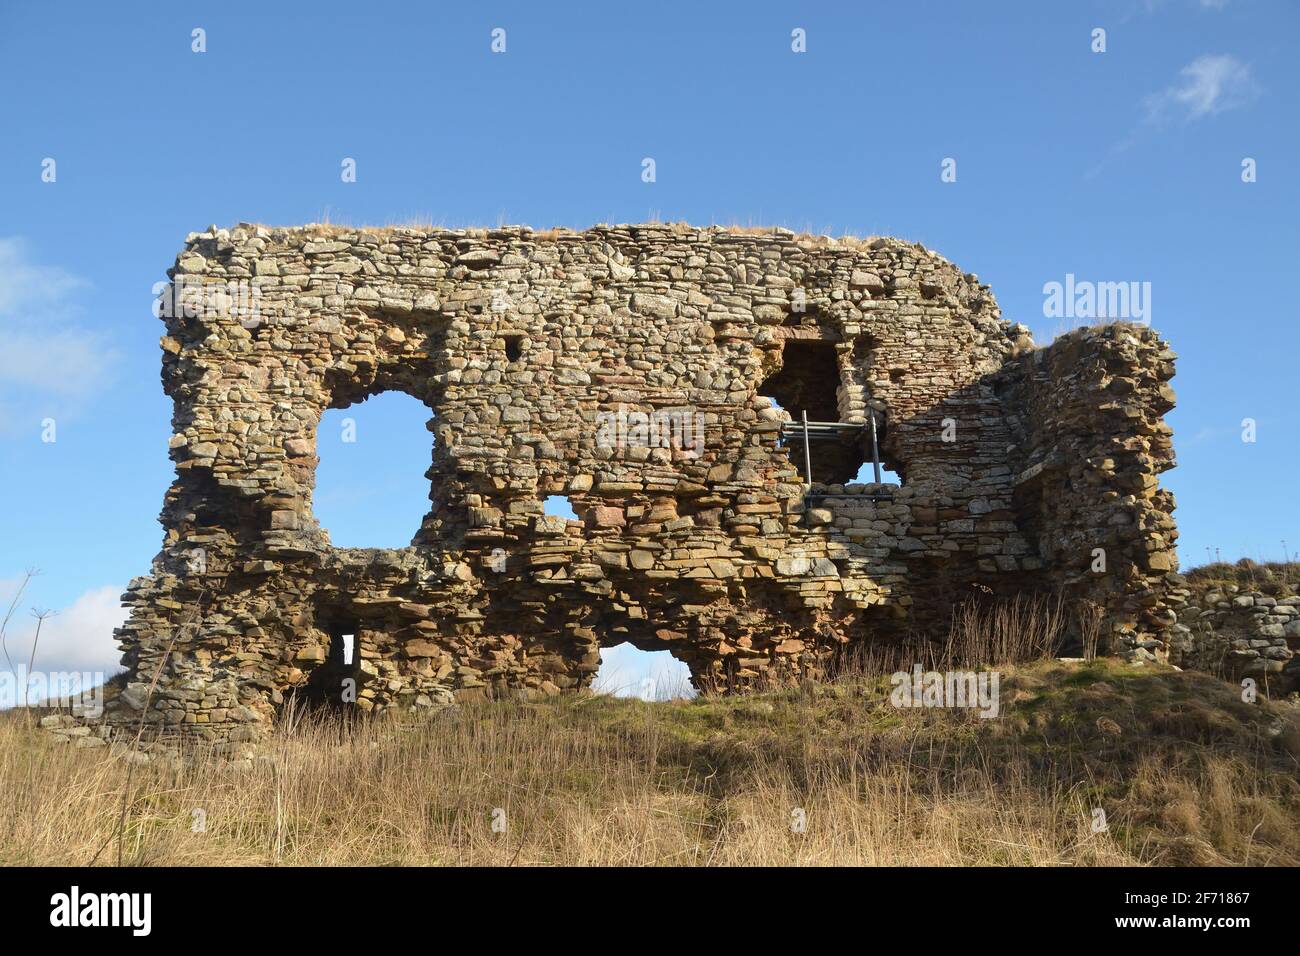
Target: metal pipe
[875, 448]
[807, 455]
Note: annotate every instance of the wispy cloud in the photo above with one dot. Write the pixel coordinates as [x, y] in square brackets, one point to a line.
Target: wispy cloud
[1211, 434]
[51, 365]
[26, 286]
[1150, 7]
[1210, 84]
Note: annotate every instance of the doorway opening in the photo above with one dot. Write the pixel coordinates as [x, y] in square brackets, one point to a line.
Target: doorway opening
[335, 681]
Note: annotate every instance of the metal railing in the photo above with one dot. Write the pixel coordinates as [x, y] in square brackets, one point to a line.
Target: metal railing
[810, 431]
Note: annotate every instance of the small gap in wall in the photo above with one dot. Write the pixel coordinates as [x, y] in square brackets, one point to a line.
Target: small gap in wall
[628, 671]
[514, 348]
[866, 475]
[890, 471]
[559, 506]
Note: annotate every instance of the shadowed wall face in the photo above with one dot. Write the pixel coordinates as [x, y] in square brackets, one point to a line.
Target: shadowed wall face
[644, 373]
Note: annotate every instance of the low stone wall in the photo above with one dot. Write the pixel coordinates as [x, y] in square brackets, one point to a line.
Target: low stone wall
[1240, 633]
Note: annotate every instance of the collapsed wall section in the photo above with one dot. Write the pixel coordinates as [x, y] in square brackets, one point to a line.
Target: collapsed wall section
[1091, 442]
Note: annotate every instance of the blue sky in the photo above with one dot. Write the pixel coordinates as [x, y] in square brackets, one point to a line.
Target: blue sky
[1115, 166]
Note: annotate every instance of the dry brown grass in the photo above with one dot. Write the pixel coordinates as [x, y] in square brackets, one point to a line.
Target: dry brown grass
[427, 224]
[1277, 578]
[983, 631]
[1185, 772]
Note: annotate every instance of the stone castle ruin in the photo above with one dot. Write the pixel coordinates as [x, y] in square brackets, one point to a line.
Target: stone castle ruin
[657, 376]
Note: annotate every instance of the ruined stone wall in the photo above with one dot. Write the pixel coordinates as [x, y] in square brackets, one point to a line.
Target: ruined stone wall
[1091, 442]
[525, 347]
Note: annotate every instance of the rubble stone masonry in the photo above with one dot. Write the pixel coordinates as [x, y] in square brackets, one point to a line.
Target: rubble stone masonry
[644, 372]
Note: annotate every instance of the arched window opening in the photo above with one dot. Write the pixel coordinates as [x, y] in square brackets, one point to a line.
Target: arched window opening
[371, 484]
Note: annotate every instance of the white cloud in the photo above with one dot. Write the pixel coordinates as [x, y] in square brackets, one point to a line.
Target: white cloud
[76, 638]
[50, 365]
[26, 287]
[1210, 84]
[62, 362]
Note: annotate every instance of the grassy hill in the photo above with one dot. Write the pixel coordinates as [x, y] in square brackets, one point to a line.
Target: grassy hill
[1184, 771]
